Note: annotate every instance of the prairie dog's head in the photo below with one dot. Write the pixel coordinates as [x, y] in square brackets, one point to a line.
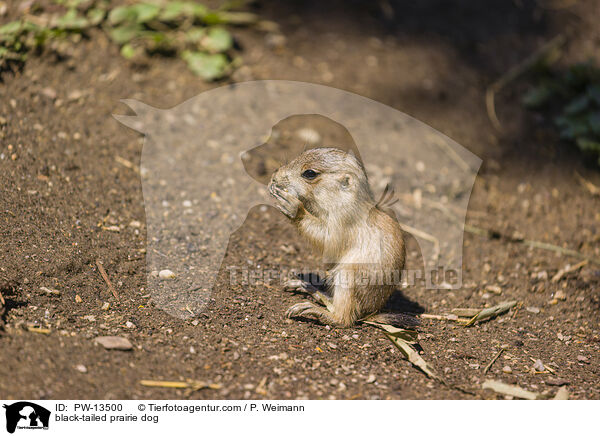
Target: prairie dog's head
[327, 181]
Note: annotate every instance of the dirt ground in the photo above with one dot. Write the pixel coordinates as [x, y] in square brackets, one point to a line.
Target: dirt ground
[61, 187]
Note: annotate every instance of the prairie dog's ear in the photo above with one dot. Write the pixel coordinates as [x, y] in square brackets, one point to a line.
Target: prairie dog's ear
[347, 181]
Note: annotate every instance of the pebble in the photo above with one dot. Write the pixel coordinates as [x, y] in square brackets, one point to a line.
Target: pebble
[130, 325]
[135, 224]
[78, 299]
[81, 368]
[532, 309]
[583, 359]
[507, 369]
[166, 274]
[90, 318]
[105, 306]
[50, 291]
[114, 343]
[332, 345]
[309, 135]
[371, 378]
[49, 92]
[560, 295]
[557, 382]
[539, 366]
[494, 289]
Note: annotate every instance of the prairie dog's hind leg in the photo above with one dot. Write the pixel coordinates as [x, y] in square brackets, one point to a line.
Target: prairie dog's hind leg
[307, 309]
[305, 287]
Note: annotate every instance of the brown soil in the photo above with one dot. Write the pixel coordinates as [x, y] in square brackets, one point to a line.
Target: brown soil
[60, 185]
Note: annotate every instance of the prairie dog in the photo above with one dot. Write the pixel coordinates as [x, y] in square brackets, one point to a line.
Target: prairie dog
[326, 195]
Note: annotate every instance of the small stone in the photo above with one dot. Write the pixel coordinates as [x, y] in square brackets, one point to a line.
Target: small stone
[539, 366]
[309, 135]
[557, 382]
[50, 291]
[135, 224]
[3, 121]
[583, 359]
[532, 309]
[507, 369]
[166, 274]
[105, 306]
[542, 275]
[90, 318]
[560, 295]
[49, 92]
[78, 299]
[130, 325]
[114, 343]
[494, 289]
[81, 368]
[371, 378]
[187, 203]
[332, 345]
[275, 40]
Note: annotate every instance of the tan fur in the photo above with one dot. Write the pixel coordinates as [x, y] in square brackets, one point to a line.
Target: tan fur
[337, 214]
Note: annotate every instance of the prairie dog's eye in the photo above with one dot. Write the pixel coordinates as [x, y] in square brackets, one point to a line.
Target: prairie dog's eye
[310, 174]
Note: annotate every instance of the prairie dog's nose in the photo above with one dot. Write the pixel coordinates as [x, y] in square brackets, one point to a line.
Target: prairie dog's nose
[278, 179]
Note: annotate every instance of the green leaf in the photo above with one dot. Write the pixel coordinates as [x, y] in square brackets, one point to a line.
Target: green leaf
[594, 93]
[95, 16]
[174, 10]
[572, 127]
[11, 28]
[577, 105]
[537, 97]
[145, 12]
[125, 33]
[121, 14]
[217, 40]
[195, 34]
[72, 21]
[588, 145]
[127, 51]
[207, 66]
[594, 122]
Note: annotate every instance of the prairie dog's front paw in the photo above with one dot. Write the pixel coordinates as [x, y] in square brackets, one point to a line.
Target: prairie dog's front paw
[287, 203]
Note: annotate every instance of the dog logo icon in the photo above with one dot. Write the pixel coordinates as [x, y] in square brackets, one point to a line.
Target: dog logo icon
[26, 415]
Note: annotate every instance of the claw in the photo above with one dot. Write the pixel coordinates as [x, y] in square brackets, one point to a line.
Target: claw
[297, 309]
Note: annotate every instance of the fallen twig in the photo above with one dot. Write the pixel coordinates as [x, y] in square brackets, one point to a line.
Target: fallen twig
[545, 366]
[512, 390]
[568, 269]
[491, 312]
[106, 279]
[516, 71]
[191, 384]
[421, 234]
[495, 234]
[405, 340]
[40, 330]
[127, 164]
[489, 365]
[593, 189]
